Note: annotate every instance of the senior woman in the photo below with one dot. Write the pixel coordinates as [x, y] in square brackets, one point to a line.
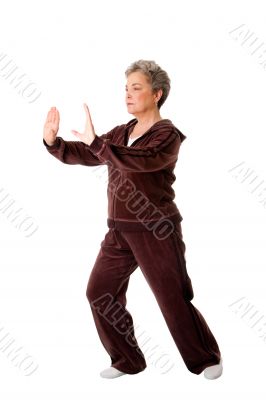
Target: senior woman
[144, 226]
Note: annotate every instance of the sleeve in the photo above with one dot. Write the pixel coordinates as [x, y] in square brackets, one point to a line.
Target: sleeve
[76, 152]
[161, 152]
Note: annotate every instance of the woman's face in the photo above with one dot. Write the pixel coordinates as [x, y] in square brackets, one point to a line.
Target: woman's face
[139, 96]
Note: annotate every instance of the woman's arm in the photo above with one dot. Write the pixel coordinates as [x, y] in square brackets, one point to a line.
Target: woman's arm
[75, 152]
[162, 152]
[71, 152]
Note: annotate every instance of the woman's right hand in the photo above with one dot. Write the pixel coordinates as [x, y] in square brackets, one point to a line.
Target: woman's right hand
[51, 126]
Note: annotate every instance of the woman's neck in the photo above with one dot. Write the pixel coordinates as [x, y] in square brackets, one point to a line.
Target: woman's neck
[145, 121]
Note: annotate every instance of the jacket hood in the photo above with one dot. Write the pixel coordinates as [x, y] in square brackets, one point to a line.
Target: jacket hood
[163, 123]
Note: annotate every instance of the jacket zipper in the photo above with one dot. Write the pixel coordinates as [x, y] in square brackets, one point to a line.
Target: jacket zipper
[114, 202]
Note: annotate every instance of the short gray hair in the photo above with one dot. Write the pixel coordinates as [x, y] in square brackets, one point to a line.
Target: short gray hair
[157, 77]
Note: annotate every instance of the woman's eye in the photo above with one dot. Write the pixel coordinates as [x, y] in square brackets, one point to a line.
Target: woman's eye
[134, 89]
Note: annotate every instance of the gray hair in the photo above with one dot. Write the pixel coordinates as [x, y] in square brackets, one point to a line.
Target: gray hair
[157, 77]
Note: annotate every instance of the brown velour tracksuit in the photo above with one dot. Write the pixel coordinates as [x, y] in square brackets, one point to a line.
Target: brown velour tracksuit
[144, 230]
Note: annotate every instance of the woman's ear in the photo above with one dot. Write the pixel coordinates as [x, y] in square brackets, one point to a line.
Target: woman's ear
[159, 94]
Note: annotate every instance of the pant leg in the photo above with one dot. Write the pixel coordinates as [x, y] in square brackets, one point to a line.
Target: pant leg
[163, 264]
[106, 292]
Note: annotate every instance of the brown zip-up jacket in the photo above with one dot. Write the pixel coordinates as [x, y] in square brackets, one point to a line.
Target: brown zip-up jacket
[140, 176]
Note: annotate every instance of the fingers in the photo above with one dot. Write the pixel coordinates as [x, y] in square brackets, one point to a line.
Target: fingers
[53, 115]
[87, 112]
[48, 119]
[86, 108]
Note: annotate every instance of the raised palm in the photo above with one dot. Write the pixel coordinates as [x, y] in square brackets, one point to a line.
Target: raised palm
[89, 134]
[51, 126]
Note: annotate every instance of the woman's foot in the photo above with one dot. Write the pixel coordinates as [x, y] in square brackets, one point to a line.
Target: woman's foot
[214, 371]
[111, 372]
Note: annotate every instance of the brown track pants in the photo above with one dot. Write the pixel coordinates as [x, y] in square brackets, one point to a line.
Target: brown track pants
[163, 264]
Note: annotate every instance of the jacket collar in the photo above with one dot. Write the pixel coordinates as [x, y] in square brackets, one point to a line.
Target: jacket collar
[165, 122]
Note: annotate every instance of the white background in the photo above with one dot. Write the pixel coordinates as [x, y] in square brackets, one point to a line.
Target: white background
[75, 52]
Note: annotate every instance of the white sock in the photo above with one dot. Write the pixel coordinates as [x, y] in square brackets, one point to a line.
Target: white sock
[111, 372]
[214, 371]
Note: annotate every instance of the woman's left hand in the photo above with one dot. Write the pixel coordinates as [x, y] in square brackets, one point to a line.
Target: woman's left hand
[89, 134]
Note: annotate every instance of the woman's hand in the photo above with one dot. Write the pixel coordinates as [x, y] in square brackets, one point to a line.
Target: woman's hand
[88, 136]
[51, 126]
